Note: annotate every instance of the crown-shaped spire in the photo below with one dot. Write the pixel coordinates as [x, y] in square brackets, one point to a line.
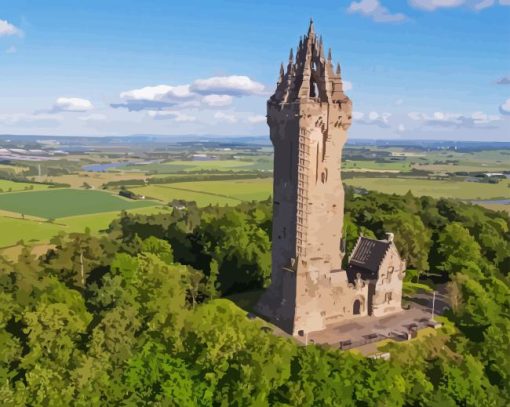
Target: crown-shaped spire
[310, 75]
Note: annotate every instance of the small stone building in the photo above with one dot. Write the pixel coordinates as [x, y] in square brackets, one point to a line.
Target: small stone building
[379, 265]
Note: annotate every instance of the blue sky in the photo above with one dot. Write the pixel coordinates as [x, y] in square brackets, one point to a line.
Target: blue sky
[434, 69]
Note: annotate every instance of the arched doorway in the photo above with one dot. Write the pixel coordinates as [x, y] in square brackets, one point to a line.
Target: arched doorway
[356, 307]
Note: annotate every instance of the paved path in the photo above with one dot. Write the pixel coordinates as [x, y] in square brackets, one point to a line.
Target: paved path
[366, 329]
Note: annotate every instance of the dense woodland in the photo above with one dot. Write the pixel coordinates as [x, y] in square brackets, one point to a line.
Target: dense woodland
[138, 316]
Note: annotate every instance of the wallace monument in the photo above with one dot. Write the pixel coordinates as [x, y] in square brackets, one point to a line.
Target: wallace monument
[308, 116]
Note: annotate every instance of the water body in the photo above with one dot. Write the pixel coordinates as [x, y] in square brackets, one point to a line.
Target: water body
[103, 167]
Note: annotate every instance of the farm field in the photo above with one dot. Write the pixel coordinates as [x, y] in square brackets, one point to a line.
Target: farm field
[359, 165]
[94, 179]
[211, 165]
[59, 203]
[100, 221]
[436, 189]
[166, 193]
[497, 207]
[7, 186]
[12, 230]
[12, 169]
[229, 192]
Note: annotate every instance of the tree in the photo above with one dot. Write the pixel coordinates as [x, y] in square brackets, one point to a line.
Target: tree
[459, 251]
[160, 248]
[412, 238]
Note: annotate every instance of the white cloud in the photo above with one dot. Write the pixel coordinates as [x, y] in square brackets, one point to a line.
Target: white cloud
[7, 29]
[372, 119]
[225, 117]
[213, 92]
[257, 119]
[93, 117]
[376, 11]
[217, 100]
[347, 85]
[171, 115]
[11, 50]
[443, 119]
[505, 107]
[30, 120]
[432, 5]
[401, 128]
[234, 85]
[155, 97]
[484, 4]
[64, 104]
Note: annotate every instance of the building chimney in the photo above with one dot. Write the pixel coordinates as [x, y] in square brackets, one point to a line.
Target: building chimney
[390, 237]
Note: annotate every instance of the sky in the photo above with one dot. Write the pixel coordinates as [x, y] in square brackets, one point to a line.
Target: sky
[414, 69]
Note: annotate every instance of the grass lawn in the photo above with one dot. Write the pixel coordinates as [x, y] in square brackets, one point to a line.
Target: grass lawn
[59, 203]
[436, 189]
[11, 186]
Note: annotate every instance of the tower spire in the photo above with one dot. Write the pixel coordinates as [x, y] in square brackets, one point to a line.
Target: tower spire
[329, 55]
[310, 28]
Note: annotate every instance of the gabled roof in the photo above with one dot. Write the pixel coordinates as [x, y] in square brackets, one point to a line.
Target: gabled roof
[368, 253]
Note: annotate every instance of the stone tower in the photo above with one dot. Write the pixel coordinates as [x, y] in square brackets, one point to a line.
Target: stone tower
[308, 116]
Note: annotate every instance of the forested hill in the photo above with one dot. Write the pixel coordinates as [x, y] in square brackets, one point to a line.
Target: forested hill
[138, 316]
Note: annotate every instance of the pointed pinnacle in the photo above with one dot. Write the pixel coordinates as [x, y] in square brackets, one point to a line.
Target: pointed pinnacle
[310, 28]
[282, 71]
[291, 55]
[338, 69]
[329, 55]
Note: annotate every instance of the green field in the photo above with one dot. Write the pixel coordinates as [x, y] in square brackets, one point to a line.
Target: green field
[59, 203]
[436, 189]
[12, 230]
[12, 169]
[359, 165]
[229, 192]
[192, 166]
[100, 221]
[11, 186]
[166, 193]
